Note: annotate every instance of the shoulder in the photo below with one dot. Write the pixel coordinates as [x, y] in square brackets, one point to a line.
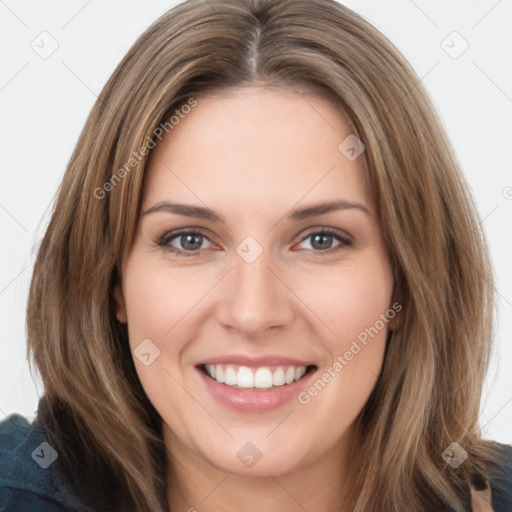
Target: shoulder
[28, 464]
[501, 480]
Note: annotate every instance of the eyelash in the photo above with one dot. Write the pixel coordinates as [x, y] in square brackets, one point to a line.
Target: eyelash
[165, 240]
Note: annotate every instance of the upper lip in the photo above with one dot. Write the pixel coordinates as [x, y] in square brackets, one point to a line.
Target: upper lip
[265, 360]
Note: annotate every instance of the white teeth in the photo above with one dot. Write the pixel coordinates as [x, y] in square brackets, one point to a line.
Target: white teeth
[260, 378]
[278, 377]
[245, 377]
[263, 378]
[299, 372]
[230, 377]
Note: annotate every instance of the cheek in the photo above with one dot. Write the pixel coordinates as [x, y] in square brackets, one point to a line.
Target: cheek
[157, 299]
[353, 303]
[350, 300]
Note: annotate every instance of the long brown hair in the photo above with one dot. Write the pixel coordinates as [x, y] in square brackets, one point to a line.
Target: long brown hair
[427, 396]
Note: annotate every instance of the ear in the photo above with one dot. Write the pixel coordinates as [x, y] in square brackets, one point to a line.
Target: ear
[121, 314]
[397, 321]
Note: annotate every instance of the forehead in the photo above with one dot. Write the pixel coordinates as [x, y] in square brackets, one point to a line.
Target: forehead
[256, 143]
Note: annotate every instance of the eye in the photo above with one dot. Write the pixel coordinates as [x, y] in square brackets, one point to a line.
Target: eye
[322, 240]
[190, 243]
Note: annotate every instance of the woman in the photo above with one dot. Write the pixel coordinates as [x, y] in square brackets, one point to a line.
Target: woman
[263, 285]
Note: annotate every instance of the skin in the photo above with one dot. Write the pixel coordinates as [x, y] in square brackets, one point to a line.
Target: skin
[251, 155]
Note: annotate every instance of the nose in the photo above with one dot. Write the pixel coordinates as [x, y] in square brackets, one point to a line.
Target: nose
[254, 298]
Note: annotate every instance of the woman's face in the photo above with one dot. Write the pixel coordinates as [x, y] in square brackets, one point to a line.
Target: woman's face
[268, 286]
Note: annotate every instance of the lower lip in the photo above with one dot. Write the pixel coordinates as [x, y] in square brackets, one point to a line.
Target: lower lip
[254, 400]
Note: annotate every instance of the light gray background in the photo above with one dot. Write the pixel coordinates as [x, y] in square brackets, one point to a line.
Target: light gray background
[44, 104]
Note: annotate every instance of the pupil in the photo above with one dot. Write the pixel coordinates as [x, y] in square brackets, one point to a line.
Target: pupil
[322, 237]
[189, 241]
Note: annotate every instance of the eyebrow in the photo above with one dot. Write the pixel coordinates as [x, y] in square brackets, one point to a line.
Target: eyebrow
[295, 215]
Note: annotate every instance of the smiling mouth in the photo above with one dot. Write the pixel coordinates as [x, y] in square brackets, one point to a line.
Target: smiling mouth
[263, 378]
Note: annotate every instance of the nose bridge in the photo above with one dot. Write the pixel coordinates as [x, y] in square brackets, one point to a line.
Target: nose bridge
[255, 299]
[253, 276]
